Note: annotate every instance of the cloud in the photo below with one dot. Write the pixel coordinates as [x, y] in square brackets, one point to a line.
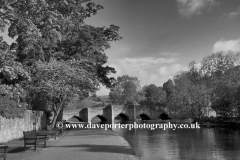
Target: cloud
[232, 15]
[102, 91]
[137, 63]
[188, 8]
[169, 54]
[227, 45]
[149, 70]
[171, 70]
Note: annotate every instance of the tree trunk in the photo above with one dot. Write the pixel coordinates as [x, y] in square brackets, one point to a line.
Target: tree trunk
[56, 113]
[54, 119]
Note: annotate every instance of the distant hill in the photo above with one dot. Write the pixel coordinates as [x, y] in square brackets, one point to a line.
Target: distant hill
[89, 102]
[104, 98]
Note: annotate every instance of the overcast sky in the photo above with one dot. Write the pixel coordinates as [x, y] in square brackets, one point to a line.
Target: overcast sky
[160, 37]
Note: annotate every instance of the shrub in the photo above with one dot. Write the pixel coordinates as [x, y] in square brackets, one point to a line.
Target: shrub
[11, 109]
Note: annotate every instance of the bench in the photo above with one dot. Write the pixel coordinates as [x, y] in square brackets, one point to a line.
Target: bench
[33, 138]
[53, 131]
[3, 154]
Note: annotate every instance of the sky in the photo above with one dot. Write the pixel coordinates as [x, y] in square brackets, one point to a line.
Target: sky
[160, 37]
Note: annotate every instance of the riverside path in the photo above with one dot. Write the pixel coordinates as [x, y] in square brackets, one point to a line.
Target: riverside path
[94, 144]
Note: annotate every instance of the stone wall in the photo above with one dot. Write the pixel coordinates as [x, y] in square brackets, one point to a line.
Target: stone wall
[13, 128]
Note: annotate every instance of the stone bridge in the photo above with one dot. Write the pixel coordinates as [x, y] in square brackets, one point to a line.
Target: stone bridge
[110, 112]
[67, 116]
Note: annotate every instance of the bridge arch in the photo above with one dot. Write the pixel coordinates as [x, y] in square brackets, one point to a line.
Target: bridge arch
[163, 116]
[122, 116]
[75, 118]
[101, 117]
[144, 116]
[110, 112]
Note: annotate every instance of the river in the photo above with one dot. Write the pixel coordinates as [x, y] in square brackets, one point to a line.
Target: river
[183, 144]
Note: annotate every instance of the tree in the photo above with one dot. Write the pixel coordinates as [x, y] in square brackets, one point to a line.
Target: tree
[220, 73]
[126, 90]
[52, 34]
[188, 98]
[47, 29]
[59, 81]
[12, 74]
[217, 63]
[154, 96]
[168, 87]
[226, 91]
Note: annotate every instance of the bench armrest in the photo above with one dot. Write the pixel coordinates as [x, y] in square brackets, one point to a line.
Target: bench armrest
[30, 138]
[3, 147]
[42, 136]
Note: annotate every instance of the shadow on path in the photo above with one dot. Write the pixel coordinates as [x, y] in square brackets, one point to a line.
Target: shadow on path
[100, 148]
[88, 132]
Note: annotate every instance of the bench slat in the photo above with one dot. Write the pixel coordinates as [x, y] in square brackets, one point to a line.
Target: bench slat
[31, 138]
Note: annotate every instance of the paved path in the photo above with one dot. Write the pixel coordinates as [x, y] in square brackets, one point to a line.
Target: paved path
[87, 145]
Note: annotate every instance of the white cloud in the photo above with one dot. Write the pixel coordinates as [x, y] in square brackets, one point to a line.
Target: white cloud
[227, 45]
[169, 54]
[232, 15]
[171, 70]
[188, 8]
[102, 91]
[137, 63]
[149, 70]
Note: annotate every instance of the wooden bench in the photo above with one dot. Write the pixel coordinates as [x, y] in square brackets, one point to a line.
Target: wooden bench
[33, 138]
[53, 131]
[3, 154]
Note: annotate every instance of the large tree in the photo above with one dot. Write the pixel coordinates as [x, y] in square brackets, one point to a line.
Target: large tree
[188, 98]
[52, 34]
[12, 75]
[58, 82]
[126, 90]
[220, 73]
[46, 29]
[154, 96]
[214, 83]
[226, 93]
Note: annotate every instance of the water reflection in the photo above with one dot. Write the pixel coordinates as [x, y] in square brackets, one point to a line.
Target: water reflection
[183, 144]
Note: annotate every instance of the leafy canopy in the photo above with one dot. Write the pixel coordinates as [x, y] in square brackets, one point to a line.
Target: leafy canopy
[61, 54]
[126, 90]
[154, 96]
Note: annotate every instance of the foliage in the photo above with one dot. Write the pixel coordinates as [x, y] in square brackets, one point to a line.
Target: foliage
[47, 29]
[214, 84]
[12, 74]
[222, 77]
[188, 99]
[126, 90]
[189, 96]
[10, 108]
[226, 93]
[59, 81]
[154, 96]
[168, 87]
[217, 63]
[63, 55]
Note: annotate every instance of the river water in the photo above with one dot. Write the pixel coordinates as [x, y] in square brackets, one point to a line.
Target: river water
[183, 144]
